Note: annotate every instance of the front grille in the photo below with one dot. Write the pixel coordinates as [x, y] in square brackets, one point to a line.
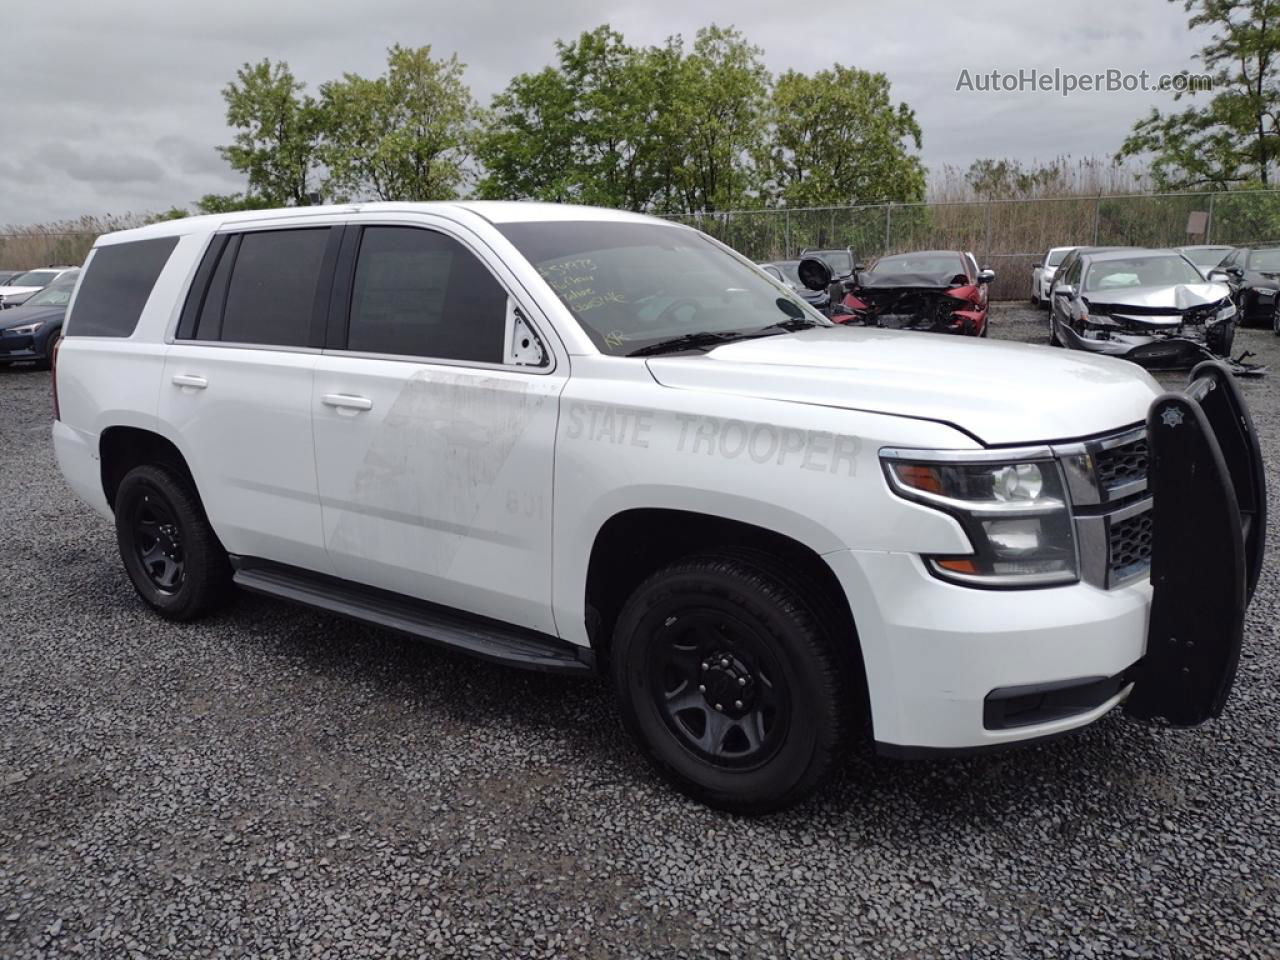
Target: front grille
[1129, 545]
[1122, 464]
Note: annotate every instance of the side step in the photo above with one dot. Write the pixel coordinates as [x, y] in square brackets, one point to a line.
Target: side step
[456, 630]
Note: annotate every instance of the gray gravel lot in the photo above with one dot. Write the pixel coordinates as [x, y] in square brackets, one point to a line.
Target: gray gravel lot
[281, 783]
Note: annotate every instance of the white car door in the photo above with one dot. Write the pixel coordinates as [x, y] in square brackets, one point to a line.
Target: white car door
[435, 426]
[237, 389]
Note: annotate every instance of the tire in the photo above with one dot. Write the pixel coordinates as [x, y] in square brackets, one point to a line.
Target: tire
[1054, 339]
[708, 628]
[46, 362]
[169, 550]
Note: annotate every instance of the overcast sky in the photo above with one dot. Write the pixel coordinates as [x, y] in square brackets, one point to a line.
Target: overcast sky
[113, 106]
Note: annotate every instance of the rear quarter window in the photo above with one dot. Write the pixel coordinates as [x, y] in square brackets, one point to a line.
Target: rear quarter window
[115, 287]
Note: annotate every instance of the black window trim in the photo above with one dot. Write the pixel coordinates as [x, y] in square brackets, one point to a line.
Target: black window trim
[339, 314]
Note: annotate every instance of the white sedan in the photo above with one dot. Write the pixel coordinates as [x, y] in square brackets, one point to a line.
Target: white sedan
[1042, 274]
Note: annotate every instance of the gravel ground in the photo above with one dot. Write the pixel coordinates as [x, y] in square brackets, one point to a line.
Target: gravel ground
[280, 783]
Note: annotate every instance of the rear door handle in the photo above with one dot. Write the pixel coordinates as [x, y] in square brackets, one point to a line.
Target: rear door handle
[190, 380]
[345, 401]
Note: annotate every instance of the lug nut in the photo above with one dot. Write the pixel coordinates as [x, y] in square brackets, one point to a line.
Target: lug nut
[737, 704]
[719, 706]
[742, 681]
[702, 688]
[724, 663]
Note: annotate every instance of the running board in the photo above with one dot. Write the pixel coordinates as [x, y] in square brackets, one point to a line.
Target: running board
[453, 629]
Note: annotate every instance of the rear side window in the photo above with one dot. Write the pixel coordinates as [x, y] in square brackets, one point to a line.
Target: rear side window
[420, 293]
[116, 286]
[272, 291]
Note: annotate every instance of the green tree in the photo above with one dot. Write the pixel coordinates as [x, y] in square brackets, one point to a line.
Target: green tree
[582, 131]
[231, 202]
[1234, 137]
[722, 105]
[646, 128]
[838, 138]
[402, 136]
[279, 133]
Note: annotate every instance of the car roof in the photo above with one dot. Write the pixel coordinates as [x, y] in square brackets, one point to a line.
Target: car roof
[494, 211]
[924, 253]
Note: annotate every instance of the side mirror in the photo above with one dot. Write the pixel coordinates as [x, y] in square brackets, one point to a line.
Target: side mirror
[814, 273]
[1219, 276]
[1235, 271]
[1064, 290]
[986, 275]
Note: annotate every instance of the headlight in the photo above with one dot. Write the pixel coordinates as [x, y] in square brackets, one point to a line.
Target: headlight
[29, 329]
[1014, 512]
[1226, 313]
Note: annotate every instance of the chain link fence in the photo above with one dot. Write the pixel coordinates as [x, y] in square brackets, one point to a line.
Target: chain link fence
[1010, 236]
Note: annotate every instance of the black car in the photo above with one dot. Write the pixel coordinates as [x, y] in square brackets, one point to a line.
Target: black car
[30, 331]
[1253, 274]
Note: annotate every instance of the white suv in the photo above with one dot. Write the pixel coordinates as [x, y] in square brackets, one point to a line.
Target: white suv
[573, 439]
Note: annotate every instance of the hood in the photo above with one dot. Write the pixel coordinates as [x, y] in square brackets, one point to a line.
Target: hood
[889, 281]
[999, 393]
[6, 291]
[21, 316]
[1165, 299]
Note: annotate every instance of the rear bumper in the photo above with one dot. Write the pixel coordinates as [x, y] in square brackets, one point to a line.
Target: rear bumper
[77, 455]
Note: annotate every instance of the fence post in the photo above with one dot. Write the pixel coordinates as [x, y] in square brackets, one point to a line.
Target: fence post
[786, 235]
[986, 243]
[1208, 224]
[888, 214]
[1097, 217]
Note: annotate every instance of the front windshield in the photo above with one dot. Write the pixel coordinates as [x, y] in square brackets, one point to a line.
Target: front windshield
[1265, 261]
[34, 278]
[933, 265]
[54, 295]
[1158, 271]
[633, 285]
[1206, 256]
[1055, 256]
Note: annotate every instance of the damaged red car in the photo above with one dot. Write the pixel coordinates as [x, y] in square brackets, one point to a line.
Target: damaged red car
[941, 291]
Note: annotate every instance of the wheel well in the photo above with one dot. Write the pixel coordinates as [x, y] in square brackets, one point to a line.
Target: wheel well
[634, 544]
[123, 448]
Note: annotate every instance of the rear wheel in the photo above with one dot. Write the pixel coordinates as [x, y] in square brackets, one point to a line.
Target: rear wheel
[169, 550]
[729, 683]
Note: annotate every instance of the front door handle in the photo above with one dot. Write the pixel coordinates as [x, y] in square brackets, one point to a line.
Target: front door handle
[345, 401]
[190, 380]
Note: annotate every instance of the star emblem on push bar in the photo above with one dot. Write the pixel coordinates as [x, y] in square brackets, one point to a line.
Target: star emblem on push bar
[1172, 417]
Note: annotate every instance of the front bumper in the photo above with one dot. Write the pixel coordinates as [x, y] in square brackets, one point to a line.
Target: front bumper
[934, 651]
[953, 668]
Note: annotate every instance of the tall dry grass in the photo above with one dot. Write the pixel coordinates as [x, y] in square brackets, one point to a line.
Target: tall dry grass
[61, 242]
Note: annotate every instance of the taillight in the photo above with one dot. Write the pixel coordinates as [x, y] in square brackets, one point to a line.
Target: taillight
[53, 376]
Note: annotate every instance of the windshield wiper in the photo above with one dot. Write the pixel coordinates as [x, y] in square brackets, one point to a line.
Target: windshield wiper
[792, 323]
[687, 341]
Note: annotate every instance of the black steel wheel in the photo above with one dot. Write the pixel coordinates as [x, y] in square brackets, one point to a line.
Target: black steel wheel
[169, 550]
[730, 683]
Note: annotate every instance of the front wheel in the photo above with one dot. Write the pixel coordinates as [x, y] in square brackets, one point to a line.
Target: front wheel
[1054, 339]
[728, 682]
[169, 550]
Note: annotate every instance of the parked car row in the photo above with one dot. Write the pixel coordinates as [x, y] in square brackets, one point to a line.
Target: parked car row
[1252, 273]
[31, 321]
[941, 291]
